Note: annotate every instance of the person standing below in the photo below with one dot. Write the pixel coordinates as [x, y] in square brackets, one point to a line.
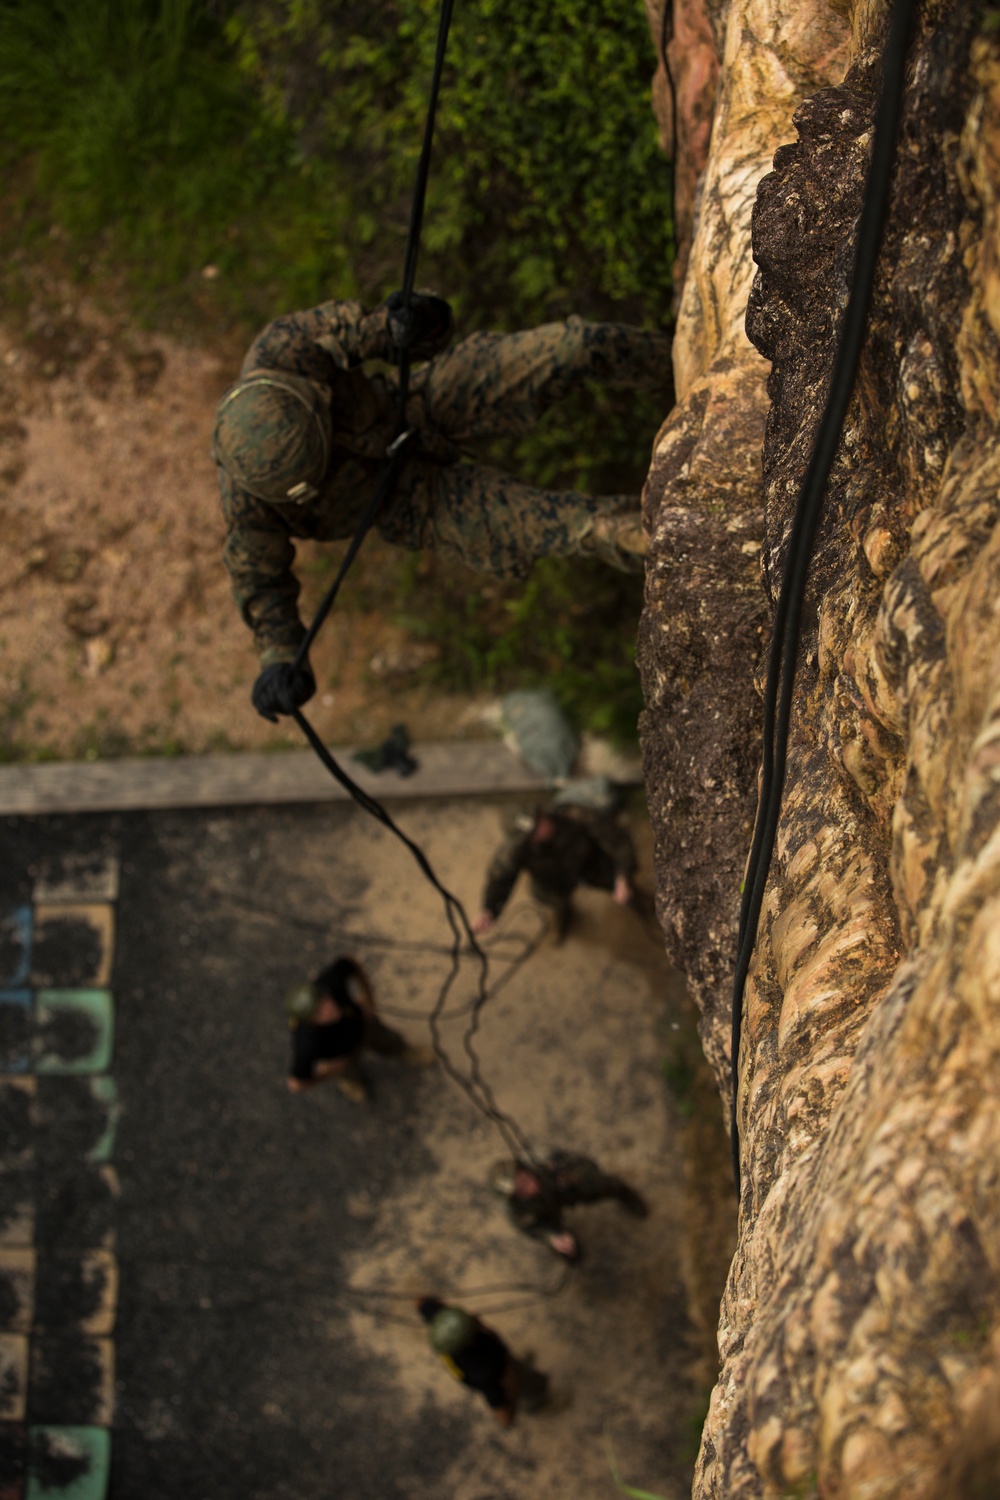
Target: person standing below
[477, 1357]
[563, 848]
[535, 1196]
[333, 1020]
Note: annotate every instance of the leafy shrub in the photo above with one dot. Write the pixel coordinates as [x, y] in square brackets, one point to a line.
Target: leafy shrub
[571, 626]
[137, 125]
[548, 190]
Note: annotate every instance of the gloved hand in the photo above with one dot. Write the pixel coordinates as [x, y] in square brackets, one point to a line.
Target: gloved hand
[423, 328]
[281, 688]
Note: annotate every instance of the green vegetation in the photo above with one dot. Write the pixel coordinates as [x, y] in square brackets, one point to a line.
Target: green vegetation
[13, 713]
[132, 129]
[280, 147]
[571, 627]
[680, 1077]
[696, 1420]
[276, 141]
[547, 186]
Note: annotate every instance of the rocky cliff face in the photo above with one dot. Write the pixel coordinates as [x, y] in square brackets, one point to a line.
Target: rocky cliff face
[859, 1330]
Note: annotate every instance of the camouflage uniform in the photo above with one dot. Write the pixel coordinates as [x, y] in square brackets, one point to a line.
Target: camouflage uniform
[566, 1179]
[587, 848]
[489, 384]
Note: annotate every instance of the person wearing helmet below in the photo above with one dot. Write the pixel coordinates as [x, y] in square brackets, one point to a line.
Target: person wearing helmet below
[535, 1196]
[477, 1357]
[301, 437]
[332, 1021]
[560, 848]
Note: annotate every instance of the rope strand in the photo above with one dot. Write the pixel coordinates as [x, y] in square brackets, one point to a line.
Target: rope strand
[787, 628]
[475, 1087]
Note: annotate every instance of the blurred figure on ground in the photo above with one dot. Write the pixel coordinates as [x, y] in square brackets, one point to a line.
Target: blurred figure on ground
[477, 1357]
[561, 848]
[535, 1196]
[333, 1020]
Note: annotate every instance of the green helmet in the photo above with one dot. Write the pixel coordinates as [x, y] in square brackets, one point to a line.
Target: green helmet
[272, 436]
[503, 1175]
[301, 1001]
[451, 1330]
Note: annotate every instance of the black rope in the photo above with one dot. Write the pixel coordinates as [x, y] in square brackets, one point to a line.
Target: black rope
[475, 1087]
[347, 1294]
[787, 629]
[494, 943]
[397, 448]
[473, 1293]
[528, 946]
[383, 489]
[424, 165]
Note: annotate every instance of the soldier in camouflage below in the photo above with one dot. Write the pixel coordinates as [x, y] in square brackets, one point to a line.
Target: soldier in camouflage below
[301, 437]
[561, 848]
[478, 1358]
[535, 1196]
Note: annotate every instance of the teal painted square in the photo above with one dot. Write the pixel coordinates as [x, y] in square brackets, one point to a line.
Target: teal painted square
[91, 1446]
[15, 947]
[105, 1089]
[15, 1031]
[74, 1031]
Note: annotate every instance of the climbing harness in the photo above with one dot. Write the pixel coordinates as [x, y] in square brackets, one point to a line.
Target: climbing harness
[787, 628]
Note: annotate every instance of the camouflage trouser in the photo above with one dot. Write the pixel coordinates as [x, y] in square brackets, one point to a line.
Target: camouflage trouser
[499, 385]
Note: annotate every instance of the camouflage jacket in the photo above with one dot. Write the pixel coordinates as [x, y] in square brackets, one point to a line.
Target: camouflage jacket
[565, 1178]
[326, 344]
[587, 848]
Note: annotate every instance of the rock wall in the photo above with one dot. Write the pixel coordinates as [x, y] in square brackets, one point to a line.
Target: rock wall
[701, 636]
[860, 1330]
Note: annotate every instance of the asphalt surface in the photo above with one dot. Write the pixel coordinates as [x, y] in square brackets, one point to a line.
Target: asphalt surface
[223, 1217]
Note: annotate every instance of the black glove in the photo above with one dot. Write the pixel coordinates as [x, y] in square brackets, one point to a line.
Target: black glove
[423, 328]
[282, 688]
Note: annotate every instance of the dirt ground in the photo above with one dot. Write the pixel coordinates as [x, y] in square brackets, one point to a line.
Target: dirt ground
[117, 630]
[394, 1196]
[269, 1245]
[571, 1045]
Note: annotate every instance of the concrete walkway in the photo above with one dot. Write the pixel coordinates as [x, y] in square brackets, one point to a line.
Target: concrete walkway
[455, 768]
